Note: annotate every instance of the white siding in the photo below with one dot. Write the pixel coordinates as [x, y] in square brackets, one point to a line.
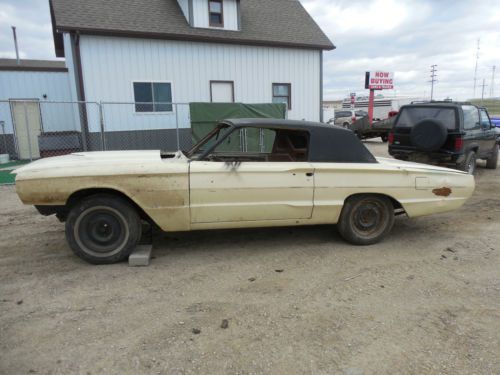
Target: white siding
[111, 64]
[33, 85]
[230, 14]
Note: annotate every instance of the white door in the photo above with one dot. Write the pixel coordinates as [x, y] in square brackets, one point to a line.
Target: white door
[250, 191]
[28, 122]
[222, 91]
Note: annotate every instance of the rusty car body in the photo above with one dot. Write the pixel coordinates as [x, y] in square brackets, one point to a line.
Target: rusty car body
[302, 174]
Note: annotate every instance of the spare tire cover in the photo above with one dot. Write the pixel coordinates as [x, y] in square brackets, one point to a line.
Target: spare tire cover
[428, 135]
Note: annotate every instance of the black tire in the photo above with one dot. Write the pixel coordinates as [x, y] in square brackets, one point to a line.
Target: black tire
[385, 137]
[428, 135]
[492, 161]
[469, 163]
[103, 229]
[345, 125]
[366, 219]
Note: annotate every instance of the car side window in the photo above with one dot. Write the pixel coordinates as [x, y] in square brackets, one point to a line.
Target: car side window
[263, 145]
[485, 119]
[471, 117]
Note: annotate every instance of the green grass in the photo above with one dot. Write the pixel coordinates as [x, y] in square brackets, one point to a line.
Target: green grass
[6, 178]
[492, 105]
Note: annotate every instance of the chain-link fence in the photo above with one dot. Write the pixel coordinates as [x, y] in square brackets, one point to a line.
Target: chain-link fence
[32, 129]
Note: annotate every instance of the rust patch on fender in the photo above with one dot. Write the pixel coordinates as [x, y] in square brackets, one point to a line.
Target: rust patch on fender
[442, 192]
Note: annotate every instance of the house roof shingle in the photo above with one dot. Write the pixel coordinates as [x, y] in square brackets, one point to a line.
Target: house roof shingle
[33, 65]
[282, 23]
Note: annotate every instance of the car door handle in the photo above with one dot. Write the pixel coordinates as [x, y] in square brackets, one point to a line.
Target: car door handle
[310, 174]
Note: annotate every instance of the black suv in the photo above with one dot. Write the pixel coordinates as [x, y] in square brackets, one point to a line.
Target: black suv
[446, 133]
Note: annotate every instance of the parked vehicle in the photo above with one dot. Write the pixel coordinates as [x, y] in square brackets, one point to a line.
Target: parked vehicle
[381, 106]
[364, 130]
[448, 133]
[345, 118]
[301, 173]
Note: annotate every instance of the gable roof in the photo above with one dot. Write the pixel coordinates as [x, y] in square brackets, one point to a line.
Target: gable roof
[33, 65]
[283, 23]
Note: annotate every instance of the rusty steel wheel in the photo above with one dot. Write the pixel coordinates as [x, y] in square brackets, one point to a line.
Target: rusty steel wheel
[366, 219]
[103, 229]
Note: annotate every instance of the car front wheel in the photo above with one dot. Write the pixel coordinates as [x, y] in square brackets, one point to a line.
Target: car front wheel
[366, 219]
[103, 229]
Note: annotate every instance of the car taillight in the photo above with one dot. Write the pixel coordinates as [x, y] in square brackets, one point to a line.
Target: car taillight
[353, 119]
[390, 139]
[459, 143]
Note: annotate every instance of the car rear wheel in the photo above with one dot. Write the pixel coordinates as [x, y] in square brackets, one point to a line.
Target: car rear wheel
[469, 163]
[366, 219]
[103, 229]
[345, 125]
[385, 137]
[492, 161]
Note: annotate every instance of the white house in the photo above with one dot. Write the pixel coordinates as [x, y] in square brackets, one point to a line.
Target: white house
[182, 51]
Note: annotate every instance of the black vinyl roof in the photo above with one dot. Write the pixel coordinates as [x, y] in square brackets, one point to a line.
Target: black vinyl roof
[282, 23]
[327, 143]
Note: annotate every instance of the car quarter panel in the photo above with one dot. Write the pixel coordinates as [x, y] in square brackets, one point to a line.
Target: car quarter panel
[421, 190]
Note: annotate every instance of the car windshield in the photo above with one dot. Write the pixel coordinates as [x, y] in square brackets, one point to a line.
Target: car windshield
[410, 116]
[208, 141]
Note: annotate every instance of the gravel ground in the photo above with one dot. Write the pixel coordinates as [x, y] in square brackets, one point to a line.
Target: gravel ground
[294, 300]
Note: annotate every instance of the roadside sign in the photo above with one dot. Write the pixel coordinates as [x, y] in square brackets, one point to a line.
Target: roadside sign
[378, 80]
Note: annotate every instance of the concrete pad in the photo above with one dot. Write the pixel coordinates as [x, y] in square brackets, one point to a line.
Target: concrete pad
[141, 256]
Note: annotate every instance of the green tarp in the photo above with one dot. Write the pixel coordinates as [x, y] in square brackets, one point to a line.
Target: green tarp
[204, 117]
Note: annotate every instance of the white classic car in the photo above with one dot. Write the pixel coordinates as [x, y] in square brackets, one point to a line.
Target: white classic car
[297, 173]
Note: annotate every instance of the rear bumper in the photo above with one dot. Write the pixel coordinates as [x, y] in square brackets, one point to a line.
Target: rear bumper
[440, 157]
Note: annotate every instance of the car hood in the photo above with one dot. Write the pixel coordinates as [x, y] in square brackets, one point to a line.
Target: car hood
[100, 163]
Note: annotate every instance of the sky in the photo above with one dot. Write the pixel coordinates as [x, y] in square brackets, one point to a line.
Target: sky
[402, 36]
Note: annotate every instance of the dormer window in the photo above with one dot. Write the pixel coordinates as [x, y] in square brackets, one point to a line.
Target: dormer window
[215, 13]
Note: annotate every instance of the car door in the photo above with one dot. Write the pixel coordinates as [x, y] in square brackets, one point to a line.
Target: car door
[473, 132]
[489, 135]
[225, 191]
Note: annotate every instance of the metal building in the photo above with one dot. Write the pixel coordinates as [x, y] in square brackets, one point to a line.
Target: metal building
[183, 51]
[22, 87]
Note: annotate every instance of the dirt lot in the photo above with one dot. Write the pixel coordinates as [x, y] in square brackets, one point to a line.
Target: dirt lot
[427, 300]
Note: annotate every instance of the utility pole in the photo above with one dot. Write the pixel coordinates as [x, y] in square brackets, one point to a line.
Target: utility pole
[475, 69]
[433, 79]
[492, 87]
[482, 94]
[15, 45]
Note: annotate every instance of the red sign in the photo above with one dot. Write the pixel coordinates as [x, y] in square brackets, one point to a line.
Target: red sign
[379, 80]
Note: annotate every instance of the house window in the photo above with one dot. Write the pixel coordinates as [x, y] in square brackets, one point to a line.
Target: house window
[282, 93]
[222, 91]
[215, 14]
[153, 96]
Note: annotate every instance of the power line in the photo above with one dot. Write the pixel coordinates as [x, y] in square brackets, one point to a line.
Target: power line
[433, 79]
[475, 69]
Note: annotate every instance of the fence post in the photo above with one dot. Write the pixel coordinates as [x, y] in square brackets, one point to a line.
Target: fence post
[177, 126]
[4, 136]
[27, 129]
[101, 120]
